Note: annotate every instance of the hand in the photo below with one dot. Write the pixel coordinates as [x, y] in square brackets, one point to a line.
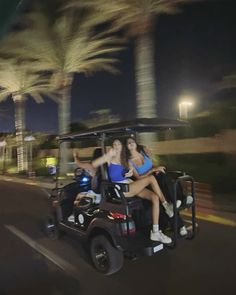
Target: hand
[159, 169]
[76, 153]
[111, 153]
[129, 173]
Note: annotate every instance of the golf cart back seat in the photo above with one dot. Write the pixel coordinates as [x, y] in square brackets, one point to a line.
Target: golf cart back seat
[134, 206]
[140, 210]
[114, 193]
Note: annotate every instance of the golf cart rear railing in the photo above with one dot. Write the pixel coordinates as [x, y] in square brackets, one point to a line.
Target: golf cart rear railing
[117, 198]
[192, 206]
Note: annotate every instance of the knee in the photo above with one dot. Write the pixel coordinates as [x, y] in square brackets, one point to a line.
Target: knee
[155, 199]
[152, 179]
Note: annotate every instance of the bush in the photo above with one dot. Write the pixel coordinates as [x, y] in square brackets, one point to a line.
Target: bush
[216, 169]
[42, 171]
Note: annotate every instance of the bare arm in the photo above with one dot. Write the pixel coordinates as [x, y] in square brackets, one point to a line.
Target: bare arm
[103, 159]
[149, 172]
[83, 164]
[155, 169]
[96, 163]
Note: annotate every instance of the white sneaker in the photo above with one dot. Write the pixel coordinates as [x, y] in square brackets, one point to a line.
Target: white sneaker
[160, 237]
[168, 208]
[71, 218]
[189, 200]
[183, 231]
[178, 203]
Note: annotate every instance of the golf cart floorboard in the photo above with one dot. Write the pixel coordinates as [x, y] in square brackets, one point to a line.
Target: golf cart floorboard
[141, 245]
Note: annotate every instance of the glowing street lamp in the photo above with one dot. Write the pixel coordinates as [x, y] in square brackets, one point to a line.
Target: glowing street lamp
[184, 107]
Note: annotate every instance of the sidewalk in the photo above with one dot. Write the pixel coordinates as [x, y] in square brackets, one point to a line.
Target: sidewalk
[45, 182]
[204, 196]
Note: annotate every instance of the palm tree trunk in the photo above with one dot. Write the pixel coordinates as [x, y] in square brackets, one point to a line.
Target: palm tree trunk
[145, 81]
[20, 129]
[64, 113]
[64, 110]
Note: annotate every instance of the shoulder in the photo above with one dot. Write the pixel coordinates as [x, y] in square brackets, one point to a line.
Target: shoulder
[147, 151]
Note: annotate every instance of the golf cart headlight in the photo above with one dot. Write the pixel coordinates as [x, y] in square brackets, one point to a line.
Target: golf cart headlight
[85, 179]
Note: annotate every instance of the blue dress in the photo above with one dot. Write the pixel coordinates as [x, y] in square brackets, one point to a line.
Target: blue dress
[145, 167]
[117, 172]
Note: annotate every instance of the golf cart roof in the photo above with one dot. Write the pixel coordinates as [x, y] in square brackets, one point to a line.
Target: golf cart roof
[132, 126]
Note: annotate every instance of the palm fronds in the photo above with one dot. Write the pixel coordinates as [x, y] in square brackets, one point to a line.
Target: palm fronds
[17, 79]
[66, 48]
[126, 13]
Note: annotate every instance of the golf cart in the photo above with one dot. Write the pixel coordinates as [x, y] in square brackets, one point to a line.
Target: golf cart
[112, 226]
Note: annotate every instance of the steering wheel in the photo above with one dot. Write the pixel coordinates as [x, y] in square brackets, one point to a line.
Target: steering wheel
[84, 203]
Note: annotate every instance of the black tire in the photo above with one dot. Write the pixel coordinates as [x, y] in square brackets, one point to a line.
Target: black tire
[51, 228]
[107, 259]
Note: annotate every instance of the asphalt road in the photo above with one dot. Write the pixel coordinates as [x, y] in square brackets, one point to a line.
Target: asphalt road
[30, 263]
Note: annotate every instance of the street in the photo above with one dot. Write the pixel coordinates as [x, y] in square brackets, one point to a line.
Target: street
[30, 263]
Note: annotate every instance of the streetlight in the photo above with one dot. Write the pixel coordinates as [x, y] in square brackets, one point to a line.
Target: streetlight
[3, 144]
[30, 139]
[184, 107]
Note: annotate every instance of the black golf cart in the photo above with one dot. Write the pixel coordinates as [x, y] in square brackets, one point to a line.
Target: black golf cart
[112, 226]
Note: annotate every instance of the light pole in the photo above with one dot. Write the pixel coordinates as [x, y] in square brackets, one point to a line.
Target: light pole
[184, 107]
[29, 139]
[3, 153]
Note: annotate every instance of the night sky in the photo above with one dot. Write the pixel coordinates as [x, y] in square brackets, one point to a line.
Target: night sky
[193, 50]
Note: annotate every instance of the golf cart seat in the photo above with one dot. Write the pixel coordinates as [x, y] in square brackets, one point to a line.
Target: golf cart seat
[134, 203]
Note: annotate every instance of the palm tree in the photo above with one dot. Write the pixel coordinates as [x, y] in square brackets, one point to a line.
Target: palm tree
[17, 82]
[65, 47]
[138, 17]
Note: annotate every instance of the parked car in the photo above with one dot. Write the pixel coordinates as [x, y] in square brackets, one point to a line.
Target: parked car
[113, 226]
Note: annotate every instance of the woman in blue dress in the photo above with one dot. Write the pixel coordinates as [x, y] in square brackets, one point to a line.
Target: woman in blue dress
[119, 171]
[140, 159]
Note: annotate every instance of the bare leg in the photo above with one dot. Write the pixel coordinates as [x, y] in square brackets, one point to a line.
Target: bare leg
[138, 185]
[151, 196]
[138, 188]
[156, 188]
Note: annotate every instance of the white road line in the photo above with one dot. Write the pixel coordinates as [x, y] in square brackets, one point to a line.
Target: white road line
[58, 261]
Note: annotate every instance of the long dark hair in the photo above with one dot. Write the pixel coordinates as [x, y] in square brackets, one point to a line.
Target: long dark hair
[140, 148]
[123, 156]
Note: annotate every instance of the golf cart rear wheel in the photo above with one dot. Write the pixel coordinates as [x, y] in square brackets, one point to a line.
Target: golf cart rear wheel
[51, 228]
[106, 258]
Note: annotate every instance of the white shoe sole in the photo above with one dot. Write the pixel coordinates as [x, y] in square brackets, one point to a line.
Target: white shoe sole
[159, 239]
[189, 200]
[183, 232]
[178, 203]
